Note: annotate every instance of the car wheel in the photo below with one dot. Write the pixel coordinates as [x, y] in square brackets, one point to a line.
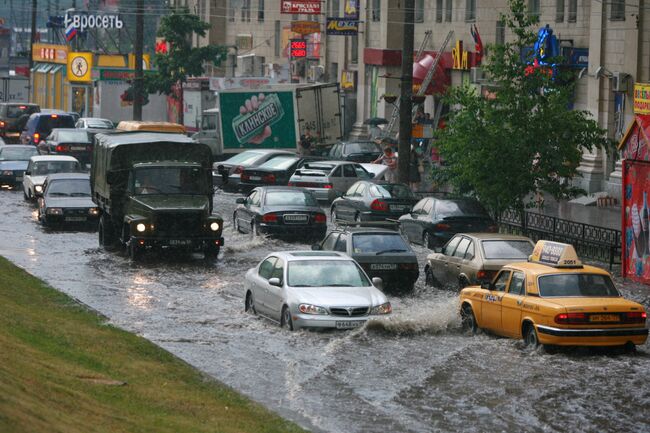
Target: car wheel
[426, 240]
[468, 320]
[249, 304]
[106, 233]
[235, 222]
[530, 336]
[430, 279]
[286, 321]
[210, 252]
[25, 195]
[462, 283]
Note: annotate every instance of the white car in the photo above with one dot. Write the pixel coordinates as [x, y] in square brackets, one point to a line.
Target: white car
[40, 167]
[313, 289]
[329, 179]
[94, 123]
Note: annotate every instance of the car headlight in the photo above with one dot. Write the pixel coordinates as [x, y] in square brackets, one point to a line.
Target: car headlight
[215, 226]
[93, 211]
[382, 309]
[311, 309]
[141, 227]
[54, 211]
[38, 188]
[7, 173]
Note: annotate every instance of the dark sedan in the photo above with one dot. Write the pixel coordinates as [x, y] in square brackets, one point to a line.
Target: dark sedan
[381, 253]
[13, 163]
[227, 174]
[433, 221]
[72, 142]
[280, 210]
[66, 200]
[276, 171]
[368, 201]
[357, 151]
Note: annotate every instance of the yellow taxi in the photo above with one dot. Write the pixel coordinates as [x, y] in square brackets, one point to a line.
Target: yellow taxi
[554, 299]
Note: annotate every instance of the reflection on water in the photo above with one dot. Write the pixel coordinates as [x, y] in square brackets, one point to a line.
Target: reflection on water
[138, 294]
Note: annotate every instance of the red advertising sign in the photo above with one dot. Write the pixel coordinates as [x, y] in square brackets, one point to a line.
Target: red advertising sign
[306, 7]
[298, 48]
[636, 221]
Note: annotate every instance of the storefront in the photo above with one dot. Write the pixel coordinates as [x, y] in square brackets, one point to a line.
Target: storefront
[635, 152]
[49, 88]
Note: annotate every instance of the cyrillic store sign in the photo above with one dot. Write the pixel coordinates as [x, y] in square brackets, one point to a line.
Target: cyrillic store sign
[82, 21]
[342, 27]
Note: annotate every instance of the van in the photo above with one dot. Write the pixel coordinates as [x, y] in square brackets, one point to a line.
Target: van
[40, 125]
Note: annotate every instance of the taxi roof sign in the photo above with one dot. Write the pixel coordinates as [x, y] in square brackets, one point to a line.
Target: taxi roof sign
[136, 125]
[555, 254]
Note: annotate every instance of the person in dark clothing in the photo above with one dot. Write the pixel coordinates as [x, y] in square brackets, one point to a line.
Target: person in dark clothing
[414, 169]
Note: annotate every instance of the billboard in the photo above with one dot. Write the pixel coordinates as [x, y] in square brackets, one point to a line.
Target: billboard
[342, 27]
[305, 7]
[636, 221]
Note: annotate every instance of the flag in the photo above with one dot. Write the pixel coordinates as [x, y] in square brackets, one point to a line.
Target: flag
[70, 32]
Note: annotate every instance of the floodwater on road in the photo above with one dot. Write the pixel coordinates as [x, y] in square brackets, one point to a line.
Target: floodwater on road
[415, 372]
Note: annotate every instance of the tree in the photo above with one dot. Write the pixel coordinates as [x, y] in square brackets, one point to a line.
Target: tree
[181, 59]
[522, 138]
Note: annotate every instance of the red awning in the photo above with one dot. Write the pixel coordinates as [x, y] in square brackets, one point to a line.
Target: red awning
[440, 79]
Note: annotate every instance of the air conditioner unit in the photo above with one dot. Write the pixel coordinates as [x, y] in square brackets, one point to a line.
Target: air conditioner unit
[619, 82]
[476, 75]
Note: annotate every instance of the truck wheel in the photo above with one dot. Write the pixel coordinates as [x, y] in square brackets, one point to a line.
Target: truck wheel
[210, 252]
[106, 233]
[135, 252]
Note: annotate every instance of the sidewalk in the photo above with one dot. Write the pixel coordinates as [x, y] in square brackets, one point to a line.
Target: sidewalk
[609, 217]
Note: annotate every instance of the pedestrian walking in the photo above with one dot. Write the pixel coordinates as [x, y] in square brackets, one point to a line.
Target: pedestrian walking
[414, 169]
[389, 159]
[305, 143]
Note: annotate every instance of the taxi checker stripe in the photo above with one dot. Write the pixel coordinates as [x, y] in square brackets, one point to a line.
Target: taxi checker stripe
[614, 332]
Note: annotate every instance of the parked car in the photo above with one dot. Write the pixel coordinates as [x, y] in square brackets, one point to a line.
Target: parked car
[276, 171]
[280, 210]
[13, 163]
[381, 252]
[369, 201]
[67, 201]
[40, 167]
[473, 258]
[13, 117]
[433, 221]
[68, 141]
[94, 123]
[40, 125]
[357, 151]
[227, 173]
[328, 179]
[554, 299]
[313, 289]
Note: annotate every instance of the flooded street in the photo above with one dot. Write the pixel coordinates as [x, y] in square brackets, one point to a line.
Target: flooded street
[415, 372]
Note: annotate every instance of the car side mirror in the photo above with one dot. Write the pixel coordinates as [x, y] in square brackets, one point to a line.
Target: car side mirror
[487, 285]
[240, 200]
[378, 283]
[316, 247]
[275, 281]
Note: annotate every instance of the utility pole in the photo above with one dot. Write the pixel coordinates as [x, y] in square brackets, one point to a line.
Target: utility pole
[31, 47]
[138, 82]
[405, 105]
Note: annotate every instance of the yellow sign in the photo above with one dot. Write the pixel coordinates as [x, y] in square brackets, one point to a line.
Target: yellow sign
[145, 61]
[555, 254]
[459, 55]
[305, 27]
[642, 98]
[79, 66]
[50, 53]
[348, 80]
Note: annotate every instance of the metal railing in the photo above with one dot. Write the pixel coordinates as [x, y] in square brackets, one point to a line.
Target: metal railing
[593, 242]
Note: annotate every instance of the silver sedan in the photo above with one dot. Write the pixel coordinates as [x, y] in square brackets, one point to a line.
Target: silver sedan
[319, 289]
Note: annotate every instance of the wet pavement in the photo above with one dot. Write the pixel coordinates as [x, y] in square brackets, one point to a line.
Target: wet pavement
[413, 373]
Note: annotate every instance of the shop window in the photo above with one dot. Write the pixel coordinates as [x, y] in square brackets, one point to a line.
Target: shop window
[470, 10]
[419, 11]
[559, 11]
[448, 6]
[573, 11]
[260, 11]
[439, 10]
[617, 10]
[533, 8]
[376, 10]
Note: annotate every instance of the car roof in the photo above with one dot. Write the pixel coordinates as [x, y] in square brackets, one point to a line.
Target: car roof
[28, 104]
[281, 188]
[19, 146]
[113, 139]
[495, 236]
[70, 130]
[537, 269]
[365, 230]
[59, 176]
[291, 256]
[37, 158]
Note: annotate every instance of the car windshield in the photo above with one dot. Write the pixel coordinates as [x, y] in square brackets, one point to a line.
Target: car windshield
[576, 285]
[391, 191]
[99, 123]
[378, 243]
[47, 123]
[72, 136]
[459, 208]
[169, 180]
[279, 163]
[316, 166]
[363, 147]
[69, 188]
[290, 198]
[244, 158]
[42, 168]
[15, 111]
[12, 153]
[326, 273]
[506, 249]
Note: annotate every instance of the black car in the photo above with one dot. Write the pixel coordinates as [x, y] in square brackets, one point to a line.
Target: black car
[381, 253]
[14, 160]
[40, 125]
[280, 210]
[227, 174]
[369, 201]
[13, 117]
[433, 221]
[67, 141]
[276, 171]
[67, 201]
[357, 151]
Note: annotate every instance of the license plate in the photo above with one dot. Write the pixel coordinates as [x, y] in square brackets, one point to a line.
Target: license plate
[75, 219]
[349, 324]
[397, 208]
[604, 318]
[295, 218]
[383, 266]
[77, 148]
[255, 178]
[179, 242]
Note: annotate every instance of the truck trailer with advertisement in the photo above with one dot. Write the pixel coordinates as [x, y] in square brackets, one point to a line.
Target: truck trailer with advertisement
[272, 117]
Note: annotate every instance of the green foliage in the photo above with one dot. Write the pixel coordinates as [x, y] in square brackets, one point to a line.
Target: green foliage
[182, 60]
[523, 138]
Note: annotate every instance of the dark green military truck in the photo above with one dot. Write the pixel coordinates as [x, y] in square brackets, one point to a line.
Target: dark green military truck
[155, 192]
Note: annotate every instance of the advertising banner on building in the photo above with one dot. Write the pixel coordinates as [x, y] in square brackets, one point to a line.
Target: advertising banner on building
[305, 7]
[351, 9]
[305, 27]
[642, 98]
[50, 53]
[80, 66]
[342, 27]
[636, 221]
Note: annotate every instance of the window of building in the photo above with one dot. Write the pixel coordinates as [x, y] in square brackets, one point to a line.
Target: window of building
[419, 11]
[376, 11]
[617, 10]
[573, 11]
[260, 11]
[559, 11]
[448, 4]
[277, 38]
[500, 33]
[246, 10]
[533, 8]
[231, 10]
[336, 6]
[439, 11]
[354, 49]
[470, 10]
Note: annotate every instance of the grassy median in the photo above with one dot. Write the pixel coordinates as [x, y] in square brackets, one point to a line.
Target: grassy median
[63, 370]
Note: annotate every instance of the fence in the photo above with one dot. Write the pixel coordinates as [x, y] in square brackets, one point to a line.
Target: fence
[593, 242]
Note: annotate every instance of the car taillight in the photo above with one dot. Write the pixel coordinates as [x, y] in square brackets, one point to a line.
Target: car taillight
[485, 275]
[493, 228]
[37, 136]
[269, 218]
[2, 124]
[442, 227]
[269, 178]
[291, 184]
[54, 116]
[245, 176]
[61, 148]
[328, 186]
[379, 205]
[238, 170]
[566, 318]
[634, 317]
[320, 218]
